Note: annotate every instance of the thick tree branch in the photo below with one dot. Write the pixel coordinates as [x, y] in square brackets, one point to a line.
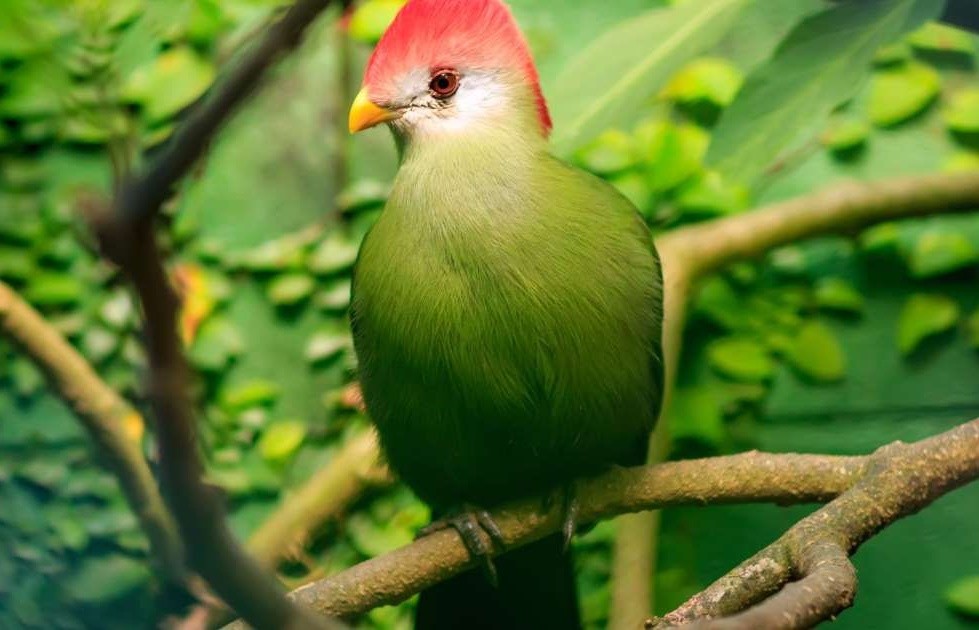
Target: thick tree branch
[691, 253]
[745, 478]
[900, 480]
[873, 492]
[104, 414]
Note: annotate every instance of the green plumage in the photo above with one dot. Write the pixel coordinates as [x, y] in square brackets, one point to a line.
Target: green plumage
[507, 319]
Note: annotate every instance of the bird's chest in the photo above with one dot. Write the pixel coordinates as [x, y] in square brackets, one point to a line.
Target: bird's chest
[462, 302]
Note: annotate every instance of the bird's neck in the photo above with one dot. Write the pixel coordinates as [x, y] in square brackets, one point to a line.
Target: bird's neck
[461, 193]
[490, 158]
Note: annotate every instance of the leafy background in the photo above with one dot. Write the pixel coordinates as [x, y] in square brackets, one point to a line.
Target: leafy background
[701, 109]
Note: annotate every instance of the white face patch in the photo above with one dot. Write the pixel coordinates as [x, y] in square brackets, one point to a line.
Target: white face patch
[483, 98]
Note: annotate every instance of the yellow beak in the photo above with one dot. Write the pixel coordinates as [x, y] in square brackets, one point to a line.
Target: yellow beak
[364, 114]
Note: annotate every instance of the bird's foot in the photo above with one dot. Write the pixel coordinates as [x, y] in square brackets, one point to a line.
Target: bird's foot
[467, 522]
[570, 510]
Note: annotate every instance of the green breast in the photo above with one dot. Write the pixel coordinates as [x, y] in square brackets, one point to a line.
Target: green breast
[507, 328]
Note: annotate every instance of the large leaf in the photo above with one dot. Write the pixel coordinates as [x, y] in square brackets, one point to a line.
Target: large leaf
[603, 84]
[963, 596]
[822, 62]
[923, 316]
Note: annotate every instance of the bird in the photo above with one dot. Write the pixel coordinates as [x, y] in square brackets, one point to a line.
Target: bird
[506, 306]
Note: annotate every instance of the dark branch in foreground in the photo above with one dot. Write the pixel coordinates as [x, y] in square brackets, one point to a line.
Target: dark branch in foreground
[899, 480]
[140, 199]
[127, 236]
[871, 492]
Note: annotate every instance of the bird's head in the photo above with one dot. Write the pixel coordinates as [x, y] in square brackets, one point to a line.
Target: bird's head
[445, 66]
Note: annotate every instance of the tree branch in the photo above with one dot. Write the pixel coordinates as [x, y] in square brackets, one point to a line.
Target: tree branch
[873, 492]
[691, 253]
[105, 415]
[140, 199]
[744, 478]
[900, 480]
[324, 496]
[128, 238]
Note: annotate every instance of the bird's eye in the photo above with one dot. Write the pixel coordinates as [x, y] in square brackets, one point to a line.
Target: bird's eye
[444, 84]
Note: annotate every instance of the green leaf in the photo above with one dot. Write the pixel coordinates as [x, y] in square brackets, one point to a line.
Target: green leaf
[630, 63]
[290, 289]
[273, 256]
[935, 36]
[118, 310]
[961, 161]
[217, 343]
[174, 80]
[897, 94]
[822, 63]
[611, 152]
[334, 299]
[15, 263]
[635, 187]
[363, 194]
[936, 253]
[962, 112]
[35, 90]
[696, 415]
[923, 316]
[372, 18]
[709, 79]
[893, 53]
[49, 289]
[836, 294]
[844, 134]
[373, 538]
[44, 472]
[99, 344]
[881, 238]
[326, 345]
[740, 359]
[670, 154]
[334, 254]
[718, 301]
[963, 596]
[281, 440]
[101, 579]
[972, 330]
[816, 353]
[709, 195]
[255, 393]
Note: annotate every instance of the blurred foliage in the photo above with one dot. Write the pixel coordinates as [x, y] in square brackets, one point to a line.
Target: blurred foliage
[694, 110]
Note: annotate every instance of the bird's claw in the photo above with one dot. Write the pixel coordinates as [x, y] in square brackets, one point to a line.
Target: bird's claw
[570, 510]
[468, 522]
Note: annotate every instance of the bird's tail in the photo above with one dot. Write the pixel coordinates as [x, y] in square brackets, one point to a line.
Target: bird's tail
[536, 590]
